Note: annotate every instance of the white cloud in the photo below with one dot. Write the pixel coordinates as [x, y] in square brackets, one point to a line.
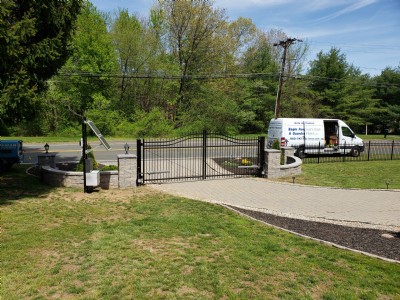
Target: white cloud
[245, 4]
[326, 32]
[317, 5]
[348, 9]
[295, 6]
[306, 5]
[355, 38]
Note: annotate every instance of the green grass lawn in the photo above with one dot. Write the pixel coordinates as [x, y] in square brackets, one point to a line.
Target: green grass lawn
[389, 137]
[356, 174]
[58, 243]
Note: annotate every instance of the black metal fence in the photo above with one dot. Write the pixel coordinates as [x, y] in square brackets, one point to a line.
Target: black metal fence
[199, 156]
[373, 150]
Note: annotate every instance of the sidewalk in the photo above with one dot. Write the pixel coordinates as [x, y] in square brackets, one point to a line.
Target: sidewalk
[358, 208]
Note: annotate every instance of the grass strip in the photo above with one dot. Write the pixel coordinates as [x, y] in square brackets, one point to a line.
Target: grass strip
[351, 174]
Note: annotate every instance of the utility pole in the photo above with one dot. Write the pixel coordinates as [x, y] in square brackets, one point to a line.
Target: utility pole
[285, 45]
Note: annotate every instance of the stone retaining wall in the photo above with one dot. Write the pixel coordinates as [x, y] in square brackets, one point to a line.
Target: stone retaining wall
[108, 179]
[274, 169]
[55, 177]
[124, 178]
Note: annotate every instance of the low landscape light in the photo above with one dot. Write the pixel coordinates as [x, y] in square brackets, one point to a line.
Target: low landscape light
[126, 147]
[387, 184]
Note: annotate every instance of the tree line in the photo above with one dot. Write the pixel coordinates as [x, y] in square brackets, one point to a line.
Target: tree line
[183, 69]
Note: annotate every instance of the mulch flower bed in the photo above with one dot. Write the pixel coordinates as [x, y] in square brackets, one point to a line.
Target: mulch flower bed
[70, 166]
[67, 166]
[382, 243]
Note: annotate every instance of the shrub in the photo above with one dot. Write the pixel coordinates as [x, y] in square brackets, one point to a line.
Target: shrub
[152, 124]
[79, 167]
[70, 131]
[276, 145]
[34, 127]
[125, 128]
[110, 168]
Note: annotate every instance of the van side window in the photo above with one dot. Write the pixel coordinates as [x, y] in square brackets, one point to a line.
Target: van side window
[347, 132]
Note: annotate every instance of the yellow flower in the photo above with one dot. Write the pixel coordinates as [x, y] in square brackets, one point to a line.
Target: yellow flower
[246, 162]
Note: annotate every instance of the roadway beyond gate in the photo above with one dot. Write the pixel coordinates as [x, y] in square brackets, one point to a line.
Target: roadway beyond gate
[198, 157]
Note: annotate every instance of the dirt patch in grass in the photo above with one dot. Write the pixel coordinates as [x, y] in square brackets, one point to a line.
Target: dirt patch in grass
[111, 195]
[185, 291]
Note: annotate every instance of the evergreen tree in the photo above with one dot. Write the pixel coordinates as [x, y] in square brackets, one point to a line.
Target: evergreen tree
[34, 43]
[342, 91]
[256, 96]
[388, 92]
[357, 105]
[328, 74]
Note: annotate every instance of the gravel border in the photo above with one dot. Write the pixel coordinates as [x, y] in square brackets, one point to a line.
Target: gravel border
[375, 242]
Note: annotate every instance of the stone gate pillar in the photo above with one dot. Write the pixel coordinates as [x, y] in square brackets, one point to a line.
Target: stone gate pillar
[272, 163]
[47, 160]
[127, 170]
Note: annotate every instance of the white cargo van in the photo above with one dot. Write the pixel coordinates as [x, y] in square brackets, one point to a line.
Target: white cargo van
[315, 136]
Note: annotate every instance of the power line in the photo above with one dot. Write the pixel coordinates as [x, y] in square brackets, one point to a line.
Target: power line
[338, 80]
[361, 46]
[167, 77]
[224, 76]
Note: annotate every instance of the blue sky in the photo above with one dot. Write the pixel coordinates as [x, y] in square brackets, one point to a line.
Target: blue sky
[366, 31]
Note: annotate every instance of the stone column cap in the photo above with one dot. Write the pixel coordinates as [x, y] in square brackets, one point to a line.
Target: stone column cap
[126, 156]
[272, 150]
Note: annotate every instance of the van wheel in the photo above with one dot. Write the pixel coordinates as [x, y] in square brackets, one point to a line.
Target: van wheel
[355, 152]
[300, 153]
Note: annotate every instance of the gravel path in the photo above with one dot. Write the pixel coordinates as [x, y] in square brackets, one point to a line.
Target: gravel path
[380, 243]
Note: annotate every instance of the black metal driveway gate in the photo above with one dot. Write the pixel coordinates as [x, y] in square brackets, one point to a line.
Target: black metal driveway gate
[198, 157]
